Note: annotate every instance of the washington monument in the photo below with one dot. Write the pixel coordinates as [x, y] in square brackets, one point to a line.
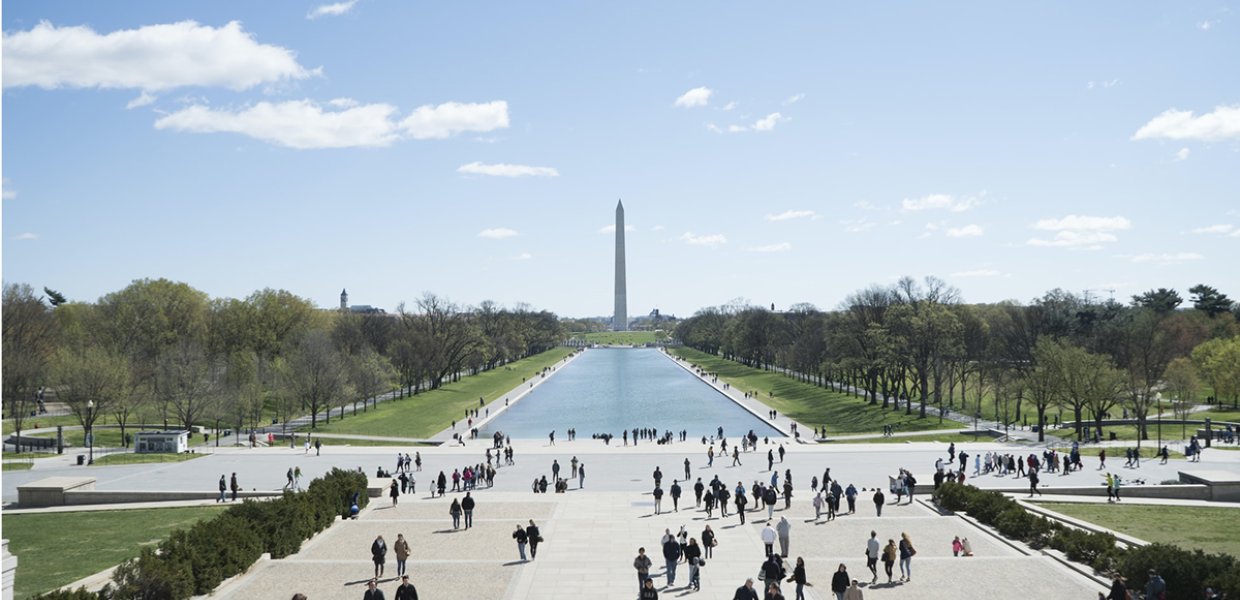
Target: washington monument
[620, 319]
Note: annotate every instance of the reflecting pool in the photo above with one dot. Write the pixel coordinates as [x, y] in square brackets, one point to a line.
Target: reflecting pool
[609, 390]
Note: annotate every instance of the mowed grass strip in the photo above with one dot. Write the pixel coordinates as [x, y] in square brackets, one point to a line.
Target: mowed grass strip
[130, 458]
[428, 413]
[619, 338]
[811, 405]
[946, 437]
[1206, 528]
[56, 549]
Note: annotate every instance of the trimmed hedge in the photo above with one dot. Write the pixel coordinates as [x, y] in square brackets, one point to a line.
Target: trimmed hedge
[1186, 572]
[195, 560]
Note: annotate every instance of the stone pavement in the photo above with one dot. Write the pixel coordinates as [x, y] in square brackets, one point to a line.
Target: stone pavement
[592, 537]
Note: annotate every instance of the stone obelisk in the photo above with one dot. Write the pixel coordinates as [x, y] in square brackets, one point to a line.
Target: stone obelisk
[620, 319]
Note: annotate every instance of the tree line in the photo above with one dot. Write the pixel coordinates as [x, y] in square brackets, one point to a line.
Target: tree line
[916, 344]
[163, 349]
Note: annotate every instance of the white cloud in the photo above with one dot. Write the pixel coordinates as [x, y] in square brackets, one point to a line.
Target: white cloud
[143, 99]
[697, 96]
[966, 231]
[331, 10]
[938, 202]
[1167, 259]
[1208, 24]
[305, 124]
[737, 129]
[729, 106]
[792, 214]
[27, 236]
[507, 170]
[713, 128]
[794, 99]
[154, 57]
[1108, 83]
[710, 241]
[1080, 232]
[978, 273]
[612, 228]
[1182, 154]
[1222, 123]
[522, 256]
[8, 194]
[768, 122]
[655, 228]
[343, 102]
[497, 233]
[1078, 222]
[1221, 229]
[865, 205]
[451, 118]
[780, 247]
[300, 124]
[857, 225]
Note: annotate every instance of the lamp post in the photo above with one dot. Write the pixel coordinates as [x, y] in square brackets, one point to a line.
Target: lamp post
[90, 430]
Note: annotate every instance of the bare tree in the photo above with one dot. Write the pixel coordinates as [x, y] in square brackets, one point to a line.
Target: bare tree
[29, 342]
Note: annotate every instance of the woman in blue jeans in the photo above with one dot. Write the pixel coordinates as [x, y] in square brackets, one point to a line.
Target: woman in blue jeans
[906, 557]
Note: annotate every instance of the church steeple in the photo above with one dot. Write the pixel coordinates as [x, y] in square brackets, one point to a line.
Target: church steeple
[344, 299]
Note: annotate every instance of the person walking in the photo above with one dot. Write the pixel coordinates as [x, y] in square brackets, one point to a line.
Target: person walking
[686, 468]
[297, 478]
[581, 476]
[693, 556]
[840, 581]
[658, 498]
[648, 591]
[708, 542]
[401, 547]
[642, 564]
[522, 539]
[853, 592]
[746, 592]
[879, 500]
[787, 493]
[851, 495]
[736, 456]
[555, 470]
[658, 476]
[223, 489]
[235, 487]
[1119, 591]
[372, 591]
[889, 557]
[467, 505]
[770, 499]
[455, 511]
[872, 549]
[817, 506]
[1033, 483]
[671, 556]
[698, 488]
[535, 538]
[770, 460]
[741, 501]
[289, 476]
[906, 557]
[798, 577]
[394, 492]
[378, 554]
[573, 464]
[675, 496]
[768, 538]
[406, 591]
[784, 529]
[318, 447]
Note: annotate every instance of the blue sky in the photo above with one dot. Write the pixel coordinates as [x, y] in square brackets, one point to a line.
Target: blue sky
[780, 153]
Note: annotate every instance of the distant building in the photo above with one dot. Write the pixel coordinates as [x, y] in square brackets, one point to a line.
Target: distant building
[364, 309]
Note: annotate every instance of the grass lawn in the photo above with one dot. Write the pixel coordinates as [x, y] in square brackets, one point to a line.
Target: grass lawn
[105, 437]
[1232, 416]
[129, 458]
[18, 466]
[57, 549]
[428, 413]
[41, 421]
[1209, 529]
[343, 442]
[621, 338]
[814, 406]
[945, 437]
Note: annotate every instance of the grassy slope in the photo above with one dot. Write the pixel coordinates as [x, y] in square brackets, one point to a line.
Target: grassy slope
[56, 549]
[430, 412]
[945, 437]
[810, 404]
[1207, 528]
[151, 457]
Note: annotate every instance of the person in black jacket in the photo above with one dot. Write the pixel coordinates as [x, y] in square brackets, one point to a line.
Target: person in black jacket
[671, 555]
[773, 570]
[798, 577]
[740, 507]
[658, 498]
[522, 538]
[675, 496]
[378, 553]
[746, 592]
[648, 591]
[693, 555]
[698, 488]
[372, 592]
[468, 506]
[406, 591]
[840, 581]
[535, 538]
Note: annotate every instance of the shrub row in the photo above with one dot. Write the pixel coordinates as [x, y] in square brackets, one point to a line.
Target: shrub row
[1186, 572]
[195, 560]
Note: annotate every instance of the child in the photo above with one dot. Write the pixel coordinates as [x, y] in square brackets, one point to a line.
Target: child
[966, 547]
[956, 546]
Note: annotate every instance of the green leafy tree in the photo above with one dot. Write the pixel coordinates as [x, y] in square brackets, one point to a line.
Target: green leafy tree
[91, 380]
[1209, 300]
[29, 343]
[1161, 300]
[1182, 386]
